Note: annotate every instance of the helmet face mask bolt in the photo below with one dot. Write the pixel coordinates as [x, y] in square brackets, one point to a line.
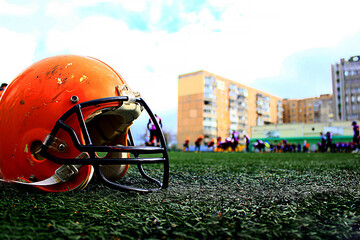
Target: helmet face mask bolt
[61, 147]
[57, 145]
[32, 178]
[74, 99]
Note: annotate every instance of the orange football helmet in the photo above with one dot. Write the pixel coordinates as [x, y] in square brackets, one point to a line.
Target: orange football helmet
[66, 117]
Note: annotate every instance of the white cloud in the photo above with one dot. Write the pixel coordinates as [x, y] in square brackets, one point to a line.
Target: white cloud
[132, 53]
[56, 8]
[13, 9]
[64, 7]
[245, 42]
[155, 11]
[253, 39]
[261, 34]
[17, 53]
[136, 6]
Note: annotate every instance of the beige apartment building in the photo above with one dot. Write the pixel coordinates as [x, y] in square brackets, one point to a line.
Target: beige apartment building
[212, 106]
[309, 110]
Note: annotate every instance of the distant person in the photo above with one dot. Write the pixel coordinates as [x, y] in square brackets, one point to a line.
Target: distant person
[260, 145]
[153, 132]
[218, 144]
[2, 88]
[286, 146]
[198, 143]
[272, 148]
[235, 140]
[211, 144]
[322, 146]
[186, 145]
[305, 146]
[247, 143]
[298, 147]
[279, 147]
[355, 137]
[151, 142]
[329, 142]
[225, 146]
[313, 148]
[218, 141]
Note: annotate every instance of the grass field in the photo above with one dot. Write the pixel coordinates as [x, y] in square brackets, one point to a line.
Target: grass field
[211, 196]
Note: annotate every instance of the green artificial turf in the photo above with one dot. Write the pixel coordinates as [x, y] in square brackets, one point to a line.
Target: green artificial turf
[211, 196]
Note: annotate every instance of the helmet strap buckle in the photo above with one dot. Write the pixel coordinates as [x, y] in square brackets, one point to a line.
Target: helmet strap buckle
[65, 172]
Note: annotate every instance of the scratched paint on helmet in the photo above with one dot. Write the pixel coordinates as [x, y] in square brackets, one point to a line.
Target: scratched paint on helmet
[83, 78]
[67, 65]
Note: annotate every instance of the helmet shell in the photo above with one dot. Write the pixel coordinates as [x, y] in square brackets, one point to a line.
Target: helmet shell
[35, 100]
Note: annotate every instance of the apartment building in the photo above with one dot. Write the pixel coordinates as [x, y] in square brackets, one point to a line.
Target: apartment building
[346, 89]
[309, 110]
[212, 106]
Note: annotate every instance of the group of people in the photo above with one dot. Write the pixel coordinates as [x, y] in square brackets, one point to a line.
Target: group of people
[282, 146]
[325, 145]
[186, 145]
[231, 144]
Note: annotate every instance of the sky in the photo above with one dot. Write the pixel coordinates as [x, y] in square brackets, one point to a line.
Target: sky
[282, 47]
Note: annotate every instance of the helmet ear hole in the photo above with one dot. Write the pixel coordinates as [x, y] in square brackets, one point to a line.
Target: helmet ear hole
[35, 150]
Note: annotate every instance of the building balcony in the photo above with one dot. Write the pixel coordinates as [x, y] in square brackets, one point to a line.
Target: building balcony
[242, 125]
[242, 108]
[210, 131]
[209, 96]
[207, 123]
[242, 102]
[210, 103]
[233, 97]
[233, 104]
[241, 98]
[242, 121]
[209, 115]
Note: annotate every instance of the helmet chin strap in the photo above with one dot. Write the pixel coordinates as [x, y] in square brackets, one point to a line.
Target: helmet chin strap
[62, 174]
